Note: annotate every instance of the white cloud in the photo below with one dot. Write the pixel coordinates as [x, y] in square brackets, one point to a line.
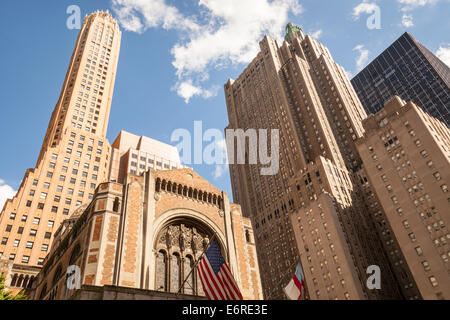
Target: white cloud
[408, 5]
[407, 21]
[317, 34]
[443, 53]
[187, 90]
[363, 57]
[220, 170]
[224, 33]
[6, 192]
[364, 7]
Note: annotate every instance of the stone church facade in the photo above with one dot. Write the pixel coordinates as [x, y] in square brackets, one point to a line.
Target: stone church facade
[147, 234]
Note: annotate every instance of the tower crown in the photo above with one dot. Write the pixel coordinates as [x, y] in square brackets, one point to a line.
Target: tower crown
[292, 30]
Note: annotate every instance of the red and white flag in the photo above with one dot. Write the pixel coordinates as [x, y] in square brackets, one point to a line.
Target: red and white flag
[296, 287]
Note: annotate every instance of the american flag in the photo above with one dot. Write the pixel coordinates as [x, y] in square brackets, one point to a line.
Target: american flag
[217, 280]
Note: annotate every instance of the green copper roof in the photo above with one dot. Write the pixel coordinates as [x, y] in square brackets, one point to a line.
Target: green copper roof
[291, 29]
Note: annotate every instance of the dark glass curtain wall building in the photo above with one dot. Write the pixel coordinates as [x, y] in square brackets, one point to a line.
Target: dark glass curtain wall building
[411, 71]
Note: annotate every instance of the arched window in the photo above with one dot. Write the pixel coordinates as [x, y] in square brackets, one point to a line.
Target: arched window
[185, 191]
[25, 281]
[174, 188]
[205, 197]
[14, 280]
[158, 185]
[169, 186]
[116, 205]
[190, 192]
[163, 185]
[19, 282]
[57, 275]
[175, 271]
[75, 254]
[214, 199]
[188, 266]
[43, 292]
[195, 194]
[220, 202]
[200, 195]
[161, 271]
[248, 236]
[209, 197]
[180, 189]
[30, 283]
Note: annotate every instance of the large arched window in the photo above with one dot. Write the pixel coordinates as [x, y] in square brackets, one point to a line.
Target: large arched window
[179, 246]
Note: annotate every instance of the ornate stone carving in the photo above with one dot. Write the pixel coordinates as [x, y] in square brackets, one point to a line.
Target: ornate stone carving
[157, 196]
[184, 237]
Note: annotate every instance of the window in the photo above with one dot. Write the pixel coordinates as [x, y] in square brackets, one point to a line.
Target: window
[406, 224]
[419, 251]
[12, 216]
[426, 265]
[24, 218]
[40, 261]
[20, 230]
[29, 244]
[8, 228]
[16, 243]
[25, 259]
[33, 232]
[54, 209]
[424, 153]
[44, 247]
[412, 236]
[4, 241]
[43, 195]
[48, 235]
[444, 188]
[51, 223]
[12, 256]
[433, 281]
[29, 202]
[65, 211]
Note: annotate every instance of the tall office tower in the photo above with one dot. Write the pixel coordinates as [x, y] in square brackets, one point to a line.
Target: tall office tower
[318, 209]
[74, 157]
[411, 71]
[406, 153]
[136, 154]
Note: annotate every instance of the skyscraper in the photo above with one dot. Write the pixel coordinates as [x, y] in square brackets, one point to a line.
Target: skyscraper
[406, 153]
[412, 72]
[319, 209]
[75, 154]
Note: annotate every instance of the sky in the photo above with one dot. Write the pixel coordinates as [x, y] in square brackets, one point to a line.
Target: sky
[175, 58]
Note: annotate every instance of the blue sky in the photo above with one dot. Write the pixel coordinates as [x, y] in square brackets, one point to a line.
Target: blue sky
[175, 58]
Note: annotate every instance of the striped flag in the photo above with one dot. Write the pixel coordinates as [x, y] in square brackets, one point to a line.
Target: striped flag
[215, 275]
[296, 288]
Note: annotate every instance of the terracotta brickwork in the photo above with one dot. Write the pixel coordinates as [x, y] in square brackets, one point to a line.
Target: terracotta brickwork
[154, 216]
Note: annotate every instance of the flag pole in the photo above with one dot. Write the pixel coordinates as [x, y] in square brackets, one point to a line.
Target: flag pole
[196, 263]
